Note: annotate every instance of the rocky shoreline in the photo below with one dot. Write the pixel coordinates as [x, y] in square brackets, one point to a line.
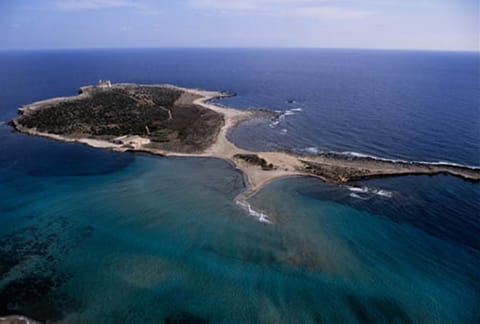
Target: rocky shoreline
[259, 168]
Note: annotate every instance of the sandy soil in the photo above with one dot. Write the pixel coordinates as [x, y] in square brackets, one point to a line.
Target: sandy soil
[255, 177]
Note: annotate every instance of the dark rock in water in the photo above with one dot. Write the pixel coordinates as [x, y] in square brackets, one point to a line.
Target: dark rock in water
[183, 318]
[227, 93]
[32, 253]
[267, 114]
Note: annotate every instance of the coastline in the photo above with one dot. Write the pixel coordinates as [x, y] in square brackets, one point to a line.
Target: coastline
[328, 167]
[17, 319]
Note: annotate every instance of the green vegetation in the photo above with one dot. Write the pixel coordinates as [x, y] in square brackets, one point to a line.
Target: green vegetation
[255, 160]
[150, 112]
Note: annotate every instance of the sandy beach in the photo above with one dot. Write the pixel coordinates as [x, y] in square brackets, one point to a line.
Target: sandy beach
[328, 167]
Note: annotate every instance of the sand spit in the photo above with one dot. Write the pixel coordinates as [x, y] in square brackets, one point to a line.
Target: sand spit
[259, 168]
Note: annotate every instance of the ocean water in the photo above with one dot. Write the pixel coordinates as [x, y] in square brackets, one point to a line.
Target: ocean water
[89, 235]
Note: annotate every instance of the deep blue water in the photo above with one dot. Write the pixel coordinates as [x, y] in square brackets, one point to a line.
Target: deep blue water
[88, 235]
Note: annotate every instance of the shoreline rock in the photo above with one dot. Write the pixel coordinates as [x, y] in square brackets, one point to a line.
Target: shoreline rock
[259, 168]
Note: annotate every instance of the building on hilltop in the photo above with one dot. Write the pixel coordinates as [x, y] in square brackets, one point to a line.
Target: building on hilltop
[104, 84]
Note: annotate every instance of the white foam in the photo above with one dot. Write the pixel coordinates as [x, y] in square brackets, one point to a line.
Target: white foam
[451, 164]
[384, 193]
[282, 115]
[358, 189]
[290, 112]
[262, 217]
[354, 195]
[438, 163]
[274, 123]
[372, 191]
[355, 154]
[363, 155]
[284, 131]
[312, 150]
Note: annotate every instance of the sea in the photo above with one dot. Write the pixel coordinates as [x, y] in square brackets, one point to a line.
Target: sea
[92, 236]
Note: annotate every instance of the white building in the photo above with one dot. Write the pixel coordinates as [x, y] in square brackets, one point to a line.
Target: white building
[104, 84]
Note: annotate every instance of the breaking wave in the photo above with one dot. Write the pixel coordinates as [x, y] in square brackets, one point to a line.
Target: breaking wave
[283, 114]
[357, 189]
[354, 195]
[262, 217]
[373, 157]
[315, 151]
[356, 192]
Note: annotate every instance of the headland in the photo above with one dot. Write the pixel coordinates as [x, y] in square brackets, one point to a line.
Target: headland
[172, 121]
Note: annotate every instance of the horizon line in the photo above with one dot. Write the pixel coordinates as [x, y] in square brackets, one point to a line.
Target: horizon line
[239, 47]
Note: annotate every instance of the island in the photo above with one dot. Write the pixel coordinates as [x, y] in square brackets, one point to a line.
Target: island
[168, 120]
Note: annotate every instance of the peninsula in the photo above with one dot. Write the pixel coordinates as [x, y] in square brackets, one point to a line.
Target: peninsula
[173, 121]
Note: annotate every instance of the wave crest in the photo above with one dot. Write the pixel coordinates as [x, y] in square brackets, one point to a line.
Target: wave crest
[373, 157]
[283, 114]
[262, 217]
[356, 191]
[354, 195]
[315, 151]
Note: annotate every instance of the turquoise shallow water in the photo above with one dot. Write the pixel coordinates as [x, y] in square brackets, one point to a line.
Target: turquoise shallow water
[91, 236]
[162, 239]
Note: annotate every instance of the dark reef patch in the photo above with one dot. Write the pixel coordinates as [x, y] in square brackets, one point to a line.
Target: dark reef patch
[184, 318]
[377, 310]
[30, 279]
[35, 296]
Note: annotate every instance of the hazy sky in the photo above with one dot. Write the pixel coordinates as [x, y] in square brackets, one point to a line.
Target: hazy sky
[404, 24]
